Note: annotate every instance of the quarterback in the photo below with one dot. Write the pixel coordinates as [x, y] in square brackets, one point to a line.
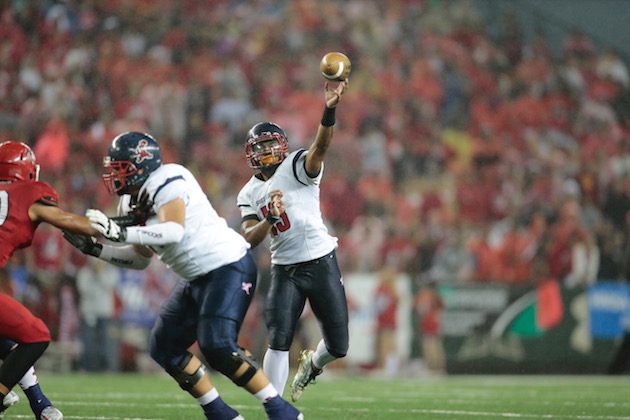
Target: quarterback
[282, 201]
[168, 214]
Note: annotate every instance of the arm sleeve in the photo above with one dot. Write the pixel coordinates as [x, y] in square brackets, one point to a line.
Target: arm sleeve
[162, 190]
[159, 234]
[124, 256]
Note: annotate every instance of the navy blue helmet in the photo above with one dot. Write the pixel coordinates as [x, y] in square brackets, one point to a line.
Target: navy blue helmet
[131, 158]
[266, 145]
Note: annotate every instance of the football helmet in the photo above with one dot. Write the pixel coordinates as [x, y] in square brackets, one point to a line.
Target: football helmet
[266, 146]
[131, 158]
[17, 162]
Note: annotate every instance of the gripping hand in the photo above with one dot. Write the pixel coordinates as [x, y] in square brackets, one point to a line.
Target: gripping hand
[84, 243]
[140, 212]
[106, 226]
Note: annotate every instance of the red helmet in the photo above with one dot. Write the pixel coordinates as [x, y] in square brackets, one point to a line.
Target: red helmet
[17, 162]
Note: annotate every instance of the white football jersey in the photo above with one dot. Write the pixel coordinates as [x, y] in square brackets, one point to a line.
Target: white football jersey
[208, 241]
[301, 234]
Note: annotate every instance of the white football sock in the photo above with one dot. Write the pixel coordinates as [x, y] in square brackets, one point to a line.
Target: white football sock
[29, 379]
[276, 367]
[208, 397]
[321, 357]
[266, 393]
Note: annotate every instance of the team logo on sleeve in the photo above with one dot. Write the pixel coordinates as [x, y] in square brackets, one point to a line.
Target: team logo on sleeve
[141, 152]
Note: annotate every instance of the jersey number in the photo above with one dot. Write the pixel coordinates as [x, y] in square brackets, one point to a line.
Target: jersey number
[4, 206]
[281, 225]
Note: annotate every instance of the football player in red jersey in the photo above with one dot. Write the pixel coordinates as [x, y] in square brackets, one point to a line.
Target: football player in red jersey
[25, 202]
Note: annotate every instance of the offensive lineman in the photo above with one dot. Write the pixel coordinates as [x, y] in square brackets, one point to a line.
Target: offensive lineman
[282, 201]
[25, 202]
[218, 273]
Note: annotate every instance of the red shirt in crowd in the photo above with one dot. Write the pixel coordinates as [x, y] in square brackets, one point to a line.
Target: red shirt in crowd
[386, 305]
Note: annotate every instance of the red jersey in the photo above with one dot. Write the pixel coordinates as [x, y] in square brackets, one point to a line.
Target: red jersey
[16, 227]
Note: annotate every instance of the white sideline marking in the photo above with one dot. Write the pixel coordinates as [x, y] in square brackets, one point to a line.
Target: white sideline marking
[518, 415]
[483, 414]
[367, 410]
[525, 416]
[22, 416]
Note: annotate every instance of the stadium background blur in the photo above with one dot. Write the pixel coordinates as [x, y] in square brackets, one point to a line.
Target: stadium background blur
[482, 144]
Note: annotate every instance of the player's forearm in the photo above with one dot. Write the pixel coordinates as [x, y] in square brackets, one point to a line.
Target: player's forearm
[76, 224]
[322, 139]
[124, 256]
[160, 234]
[62, 220]
[325, 131]
[255, 234]
[318, 149]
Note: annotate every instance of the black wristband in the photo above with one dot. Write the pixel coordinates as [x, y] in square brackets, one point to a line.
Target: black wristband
[328, 119]
[271, 218]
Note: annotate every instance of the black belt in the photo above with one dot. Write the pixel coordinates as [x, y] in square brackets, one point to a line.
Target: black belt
[315, 261]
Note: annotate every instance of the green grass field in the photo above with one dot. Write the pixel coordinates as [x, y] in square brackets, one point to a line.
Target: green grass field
[157, 397]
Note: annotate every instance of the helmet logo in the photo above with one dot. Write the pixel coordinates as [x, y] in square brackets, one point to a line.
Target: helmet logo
[141, 152]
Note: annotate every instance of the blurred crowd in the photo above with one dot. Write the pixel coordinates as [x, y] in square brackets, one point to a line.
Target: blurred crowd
[461, 154]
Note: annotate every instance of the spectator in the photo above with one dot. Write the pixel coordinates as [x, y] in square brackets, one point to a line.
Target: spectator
[428, 306]
[611, 67]
[96, 284]
[611, 244]
[571, 254]
[452, 261]
[386, 305]
[487, 264]
[577, 44]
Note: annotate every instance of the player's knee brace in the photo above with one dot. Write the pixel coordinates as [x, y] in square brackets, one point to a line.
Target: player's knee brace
[230, 365]
[217, 342]
[186, 380]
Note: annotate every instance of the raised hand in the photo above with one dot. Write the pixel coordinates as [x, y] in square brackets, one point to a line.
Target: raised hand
[333, 96]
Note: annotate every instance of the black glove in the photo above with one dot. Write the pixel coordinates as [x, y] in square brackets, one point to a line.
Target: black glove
[140, 212]
[84, 243]
[131, 219]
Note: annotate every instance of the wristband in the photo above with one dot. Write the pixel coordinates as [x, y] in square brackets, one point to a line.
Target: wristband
[271, 218]
[328, 118]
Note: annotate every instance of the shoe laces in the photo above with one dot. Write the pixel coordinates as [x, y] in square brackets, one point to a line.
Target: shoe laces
[314, 373]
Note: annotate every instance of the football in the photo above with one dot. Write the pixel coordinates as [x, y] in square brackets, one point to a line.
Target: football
[335, 66]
